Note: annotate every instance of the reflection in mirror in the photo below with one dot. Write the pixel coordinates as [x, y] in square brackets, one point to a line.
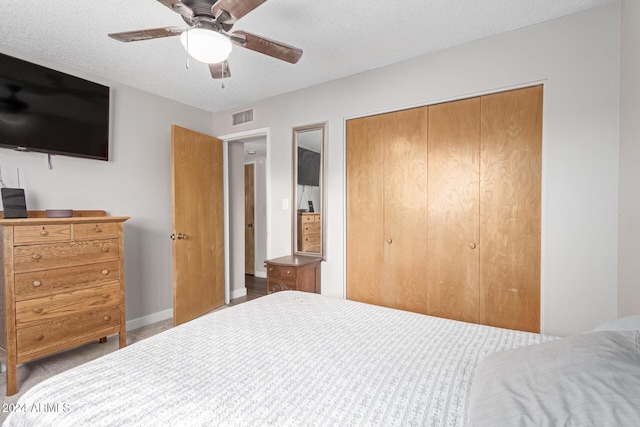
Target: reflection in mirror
[308, 187]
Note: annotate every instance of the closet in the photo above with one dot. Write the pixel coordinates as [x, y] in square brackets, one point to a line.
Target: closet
[443, 209]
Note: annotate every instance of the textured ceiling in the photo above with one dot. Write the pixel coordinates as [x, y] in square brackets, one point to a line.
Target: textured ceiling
[339, 38]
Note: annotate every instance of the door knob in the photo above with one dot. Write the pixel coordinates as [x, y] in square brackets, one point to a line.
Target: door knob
[181, 236]
[250, 225]
[173, 236]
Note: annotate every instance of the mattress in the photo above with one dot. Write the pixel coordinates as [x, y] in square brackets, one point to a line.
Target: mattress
[286, 359]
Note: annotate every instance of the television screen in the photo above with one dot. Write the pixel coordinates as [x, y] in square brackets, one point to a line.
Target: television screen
[308, 167]
[52, 112]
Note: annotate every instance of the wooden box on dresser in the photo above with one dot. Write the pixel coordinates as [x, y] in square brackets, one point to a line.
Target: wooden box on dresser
[62, 285]
[298, 273]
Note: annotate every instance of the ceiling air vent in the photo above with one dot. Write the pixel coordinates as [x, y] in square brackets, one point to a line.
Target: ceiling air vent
[242, 117]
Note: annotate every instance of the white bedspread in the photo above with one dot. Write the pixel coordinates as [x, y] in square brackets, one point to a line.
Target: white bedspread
[287, 359]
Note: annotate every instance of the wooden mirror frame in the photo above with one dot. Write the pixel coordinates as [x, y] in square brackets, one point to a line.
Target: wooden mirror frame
[295, 232]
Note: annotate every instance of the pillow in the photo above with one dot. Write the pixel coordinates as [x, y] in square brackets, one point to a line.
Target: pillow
[591, 379]
[630, 323]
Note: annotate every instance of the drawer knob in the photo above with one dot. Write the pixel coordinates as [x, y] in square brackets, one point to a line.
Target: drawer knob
[38, 337]
[105, 272]
[44, 232]
[105, 249]
[105, 295]
[37, 310]
[472, 245]
[36, 283]
[97, 229]
[36, 257]
[107, 318]
[288, 271]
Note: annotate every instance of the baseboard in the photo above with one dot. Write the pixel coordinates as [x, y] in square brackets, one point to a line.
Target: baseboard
[149, 319]
[260, 274]
[237, 293]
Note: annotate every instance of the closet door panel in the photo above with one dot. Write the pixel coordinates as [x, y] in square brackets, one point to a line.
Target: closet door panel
[510, 168]
[365, 211]
[453, 219]
[405, 213]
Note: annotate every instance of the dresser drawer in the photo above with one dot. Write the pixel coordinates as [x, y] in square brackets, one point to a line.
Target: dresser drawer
[66, 304]
[311, 243]
[309, 218]
[92, 231]
[41, 233]
[39, 283]
[57, 255]
[46, 337]
[311, 228]
[281, 272]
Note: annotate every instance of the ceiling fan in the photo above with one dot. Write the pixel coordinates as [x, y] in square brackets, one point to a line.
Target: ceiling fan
[208, 38]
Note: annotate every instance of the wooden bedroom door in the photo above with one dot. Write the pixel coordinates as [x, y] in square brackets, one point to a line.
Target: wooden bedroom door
[249, 208]
[510, 209]
[198, 245]
[387, 179]
[454, 225]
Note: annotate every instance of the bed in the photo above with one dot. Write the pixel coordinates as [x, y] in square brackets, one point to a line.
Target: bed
[289, 358]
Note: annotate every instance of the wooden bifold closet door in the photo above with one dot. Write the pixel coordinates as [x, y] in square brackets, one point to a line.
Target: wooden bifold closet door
[387, 210]
[443, 209]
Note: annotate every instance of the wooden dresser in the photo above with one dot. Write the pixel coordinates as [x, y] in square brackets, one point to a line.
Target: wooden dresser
[301, 273]
[62, 285]
[309, 225]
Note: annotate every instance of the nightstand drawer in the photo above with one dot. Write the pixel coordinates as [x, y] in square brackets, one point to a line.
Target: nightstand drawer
[46, 337]
[57, 255]
[41, 233]
[281, 285]
[39, 283]
[65, 304]
[95, 231]
[281, 272]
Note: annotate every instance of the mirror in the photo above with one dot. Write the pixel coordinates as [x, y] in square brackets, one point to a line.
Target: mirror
[308, 190]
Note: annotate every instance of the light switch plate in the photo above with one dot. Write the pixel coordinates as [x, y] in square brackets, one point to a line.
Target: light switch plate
[285, 204]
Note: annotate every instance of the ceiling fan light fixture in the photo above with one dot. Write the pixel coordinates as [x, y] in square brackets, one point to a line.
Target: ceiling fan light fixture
[208, 46]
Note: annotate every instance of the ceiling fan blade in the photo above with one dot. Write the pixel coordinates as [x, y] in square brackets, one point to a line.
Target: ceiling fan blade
[153, 33]
[235, 8]
[178, 7]
[265, 46]
[220, 70]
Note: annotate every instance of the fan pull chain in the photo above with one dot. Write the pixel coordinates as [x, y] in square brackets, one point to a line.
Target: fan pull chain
[224, 64]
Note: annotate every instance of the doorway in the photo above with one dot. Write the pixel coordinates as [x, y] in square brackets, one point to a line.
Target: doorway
[241, 150]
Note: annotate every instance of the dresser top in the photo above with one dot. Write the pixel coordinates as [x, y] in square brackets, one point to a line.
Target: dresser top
[69, 220]
[294, 260]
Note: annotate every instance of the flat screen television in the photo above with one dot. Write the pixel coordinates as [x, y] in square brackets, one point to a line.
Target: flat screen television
[308, 167]
[52, 112]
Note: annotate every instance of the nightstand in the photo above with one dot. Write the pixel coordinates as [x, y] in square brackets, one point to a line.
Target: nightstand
[301, 273]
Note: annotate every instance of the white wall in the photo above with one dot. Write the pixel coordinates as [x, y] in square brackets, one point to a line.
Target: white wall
[629, 216]
[260, 216]
[577, 59]
[136, 182]
[236, 224]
